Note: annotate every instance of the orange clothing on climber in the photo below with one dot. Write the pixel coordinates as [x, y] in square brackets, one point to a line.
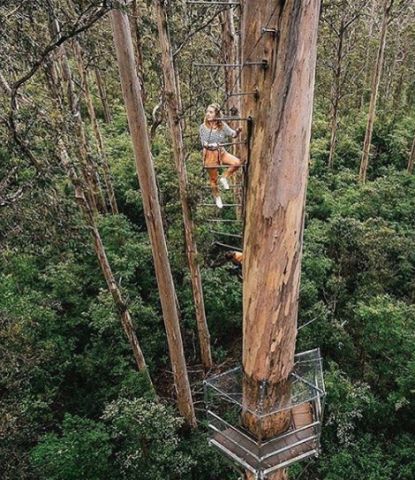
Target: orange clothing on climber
[235, 257]
[213, 133]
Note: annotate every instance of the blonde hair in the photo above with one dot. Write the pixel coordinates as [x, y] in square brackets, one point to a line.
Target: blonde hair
[218, 114]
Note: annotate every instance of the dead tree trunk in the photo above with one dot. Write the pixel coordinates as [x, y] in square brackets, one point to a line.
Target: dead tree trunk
[103, 95]
[94, 193]
[366, 69]
[95, 127]
[336, 94]
[276, 194]
[341, 24]
[377, 73]
[171, 95]
[146, 177]
[411, 159]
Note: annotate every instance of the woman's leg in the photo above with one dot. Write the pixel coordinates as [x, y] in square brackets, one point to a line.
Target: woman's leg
[213, 179]
[210, 160]
[228, 159]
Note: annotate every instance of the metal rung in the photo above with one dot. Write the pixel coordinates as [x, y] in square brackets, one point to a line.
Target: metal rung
[241, 94]
[234, 235]
[225, 205]
[231, 440]
[223, 166]
[229, 425]
[231, 187]
[228, 246]
[228, 144]
[236, 119]
[274, 31]
[222, 220]
[263, 63]
[234, 4]
[306, 323]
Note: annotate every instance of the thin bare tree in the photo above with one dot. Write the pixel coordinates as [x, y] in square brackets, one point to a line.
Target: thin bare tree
[152, 211]
[376, 76]
[171, 95]
[99, 141]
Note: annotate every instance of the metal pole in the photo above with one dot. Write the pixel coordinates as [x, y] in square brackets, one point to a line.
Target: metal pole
[236, 119]
[228, 246]
[263, 63]
[234, 235]
[213, 3]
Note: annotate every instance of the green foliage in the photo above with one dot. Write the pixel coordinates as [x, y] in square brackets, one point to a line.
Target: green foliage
[83, 450]
[146, 435]
[365, 459]
[72, 402]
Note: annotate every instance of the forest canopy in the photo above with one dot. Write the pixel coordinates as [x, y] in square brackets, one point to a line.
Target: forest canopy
[88, 376]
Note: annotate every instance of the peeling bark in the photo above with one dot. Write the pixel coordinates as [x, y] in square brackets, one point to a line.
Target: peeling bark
[276, 192]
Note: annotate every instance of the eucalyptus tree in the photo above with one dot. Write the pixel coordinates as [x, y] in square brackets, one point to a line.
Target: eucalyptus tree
[277, 182]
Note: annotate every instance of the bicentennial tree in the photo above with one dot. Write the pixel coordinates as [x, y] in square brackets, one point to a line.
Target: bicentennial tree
[276, 191]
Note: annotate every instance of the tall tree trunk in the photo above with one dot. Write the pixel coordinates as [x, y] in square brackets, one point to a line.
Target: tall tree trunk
[366, 69]
[95, 127]
[377, 73]
[171, 94]
[112, 284]
[276, 195]
[94, 193]
[103, 95]
[230, 54]
[89, 214]
[411, 159]
[146, 177]
[336, 94]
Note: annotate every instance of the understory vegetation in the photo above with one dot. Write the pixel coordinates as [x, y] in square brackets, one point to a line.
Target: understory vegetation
[72, 404]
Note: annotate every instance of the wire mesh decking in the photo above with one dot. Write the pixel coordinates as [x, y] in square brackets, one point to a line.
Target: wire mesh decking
[259, 454]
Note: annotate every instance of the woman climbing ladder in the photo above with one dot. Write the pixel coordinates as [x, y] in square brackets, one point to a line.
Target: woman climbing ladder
[213, 133]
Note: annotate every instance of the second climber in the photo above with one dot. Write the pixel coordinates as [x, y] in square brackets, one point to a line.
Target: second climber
[213, 134]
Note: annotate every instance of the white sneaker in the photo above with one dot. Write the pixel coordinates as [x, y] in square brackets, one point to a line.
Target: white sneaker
[224, 183]
[218, 201]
